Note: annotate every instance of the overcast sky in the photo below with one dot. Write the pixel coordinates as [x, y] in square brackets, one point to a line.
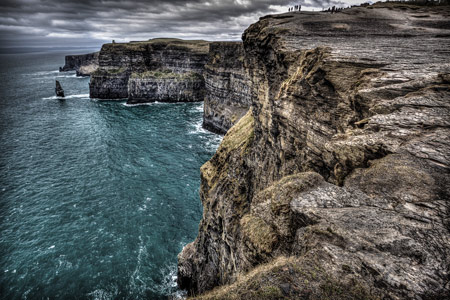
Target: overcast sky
[53, 23]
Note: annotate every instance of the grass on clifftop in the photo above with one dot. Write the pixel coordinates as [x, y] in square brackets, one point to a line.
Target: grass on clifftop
[199, 46]
[259, 232]
[241, 134]
[238, 138]
[115, 71]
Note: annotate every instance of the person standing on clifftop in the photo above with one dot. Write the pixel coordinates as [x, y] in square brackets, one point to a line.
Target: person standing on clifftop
[295, 8]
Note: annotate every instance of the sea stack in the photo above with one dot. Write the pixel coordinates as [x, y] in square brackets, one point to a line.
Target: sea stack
[59, 90]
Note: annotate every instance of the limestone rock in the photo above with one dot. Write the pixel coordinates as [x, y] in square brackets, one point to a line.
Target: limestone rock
[165, 86]
[336, 182]
[83, 64]
[228, 90]
[118, 61]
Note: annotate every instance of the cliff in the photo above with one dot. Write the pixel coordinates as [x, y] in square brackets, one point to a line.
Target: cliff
[335, 184]
[173, 70]
[84, 64]
[165, 86]
[227, 96]
[118, 61]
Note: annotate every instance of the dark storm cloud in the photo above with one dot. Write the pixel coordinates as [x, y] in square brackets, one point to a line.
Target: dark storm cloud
[55, 22]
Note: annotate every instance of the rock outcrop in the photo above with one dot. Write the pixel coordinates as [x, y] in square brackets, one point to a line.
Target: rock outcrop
[83, 64]
[336, 183]
[165, 86]
[227, 96]
[145, 60]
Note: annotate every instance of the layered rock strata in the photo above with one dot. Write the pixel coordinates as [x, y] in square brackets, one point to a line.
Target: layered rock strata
[173, 70]
[83, 64]
[118, 61]
[336, 183]
[227, 96]
[165, 87]
[109, 83]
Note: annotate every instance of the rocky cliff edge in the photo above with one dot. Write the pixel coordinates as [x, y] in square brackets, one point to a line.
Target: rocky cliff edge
[335, 184]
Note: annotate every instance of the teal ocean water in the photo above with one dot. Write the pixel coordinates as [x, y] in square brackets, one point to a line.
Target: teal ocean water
[96, 198]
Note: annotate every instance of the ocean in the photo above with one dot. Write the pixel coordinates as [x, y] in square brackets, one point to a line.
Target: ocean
[97, 198]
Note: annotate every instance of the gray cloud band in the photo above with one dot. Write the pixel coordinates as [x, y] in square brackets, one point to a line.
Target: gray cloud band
[36, 22]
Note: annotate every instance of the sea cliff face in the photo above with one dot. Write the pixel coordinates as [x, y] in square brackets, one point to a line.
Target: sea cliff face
[336, 181]
[118, 61]
[172, 70]
[227, 96]
[165, 87]
[84, 64]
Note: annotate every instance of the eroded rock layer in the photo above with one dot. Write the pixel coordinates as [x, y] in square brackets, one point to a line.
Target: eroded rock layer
[227, 96]
[83, 64]
[117, 61]
[165, 87]
[336, 183]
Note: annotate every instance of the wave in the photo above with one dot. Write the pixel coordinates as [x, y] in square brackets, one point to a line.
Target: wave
[141, 104]
[77, 96]
[137, 284]
[198, 128]
[50, 98]
[169, 285]
[71, 76]
[108, 100]
[57, 74]
[104, 294]
[67, 97]
[44, 73]
[213, 141]
[198, 107]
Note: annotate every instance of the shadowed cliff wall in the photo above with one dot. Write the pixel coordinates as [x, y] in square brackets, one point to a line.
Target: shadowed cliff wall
[227, 86]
